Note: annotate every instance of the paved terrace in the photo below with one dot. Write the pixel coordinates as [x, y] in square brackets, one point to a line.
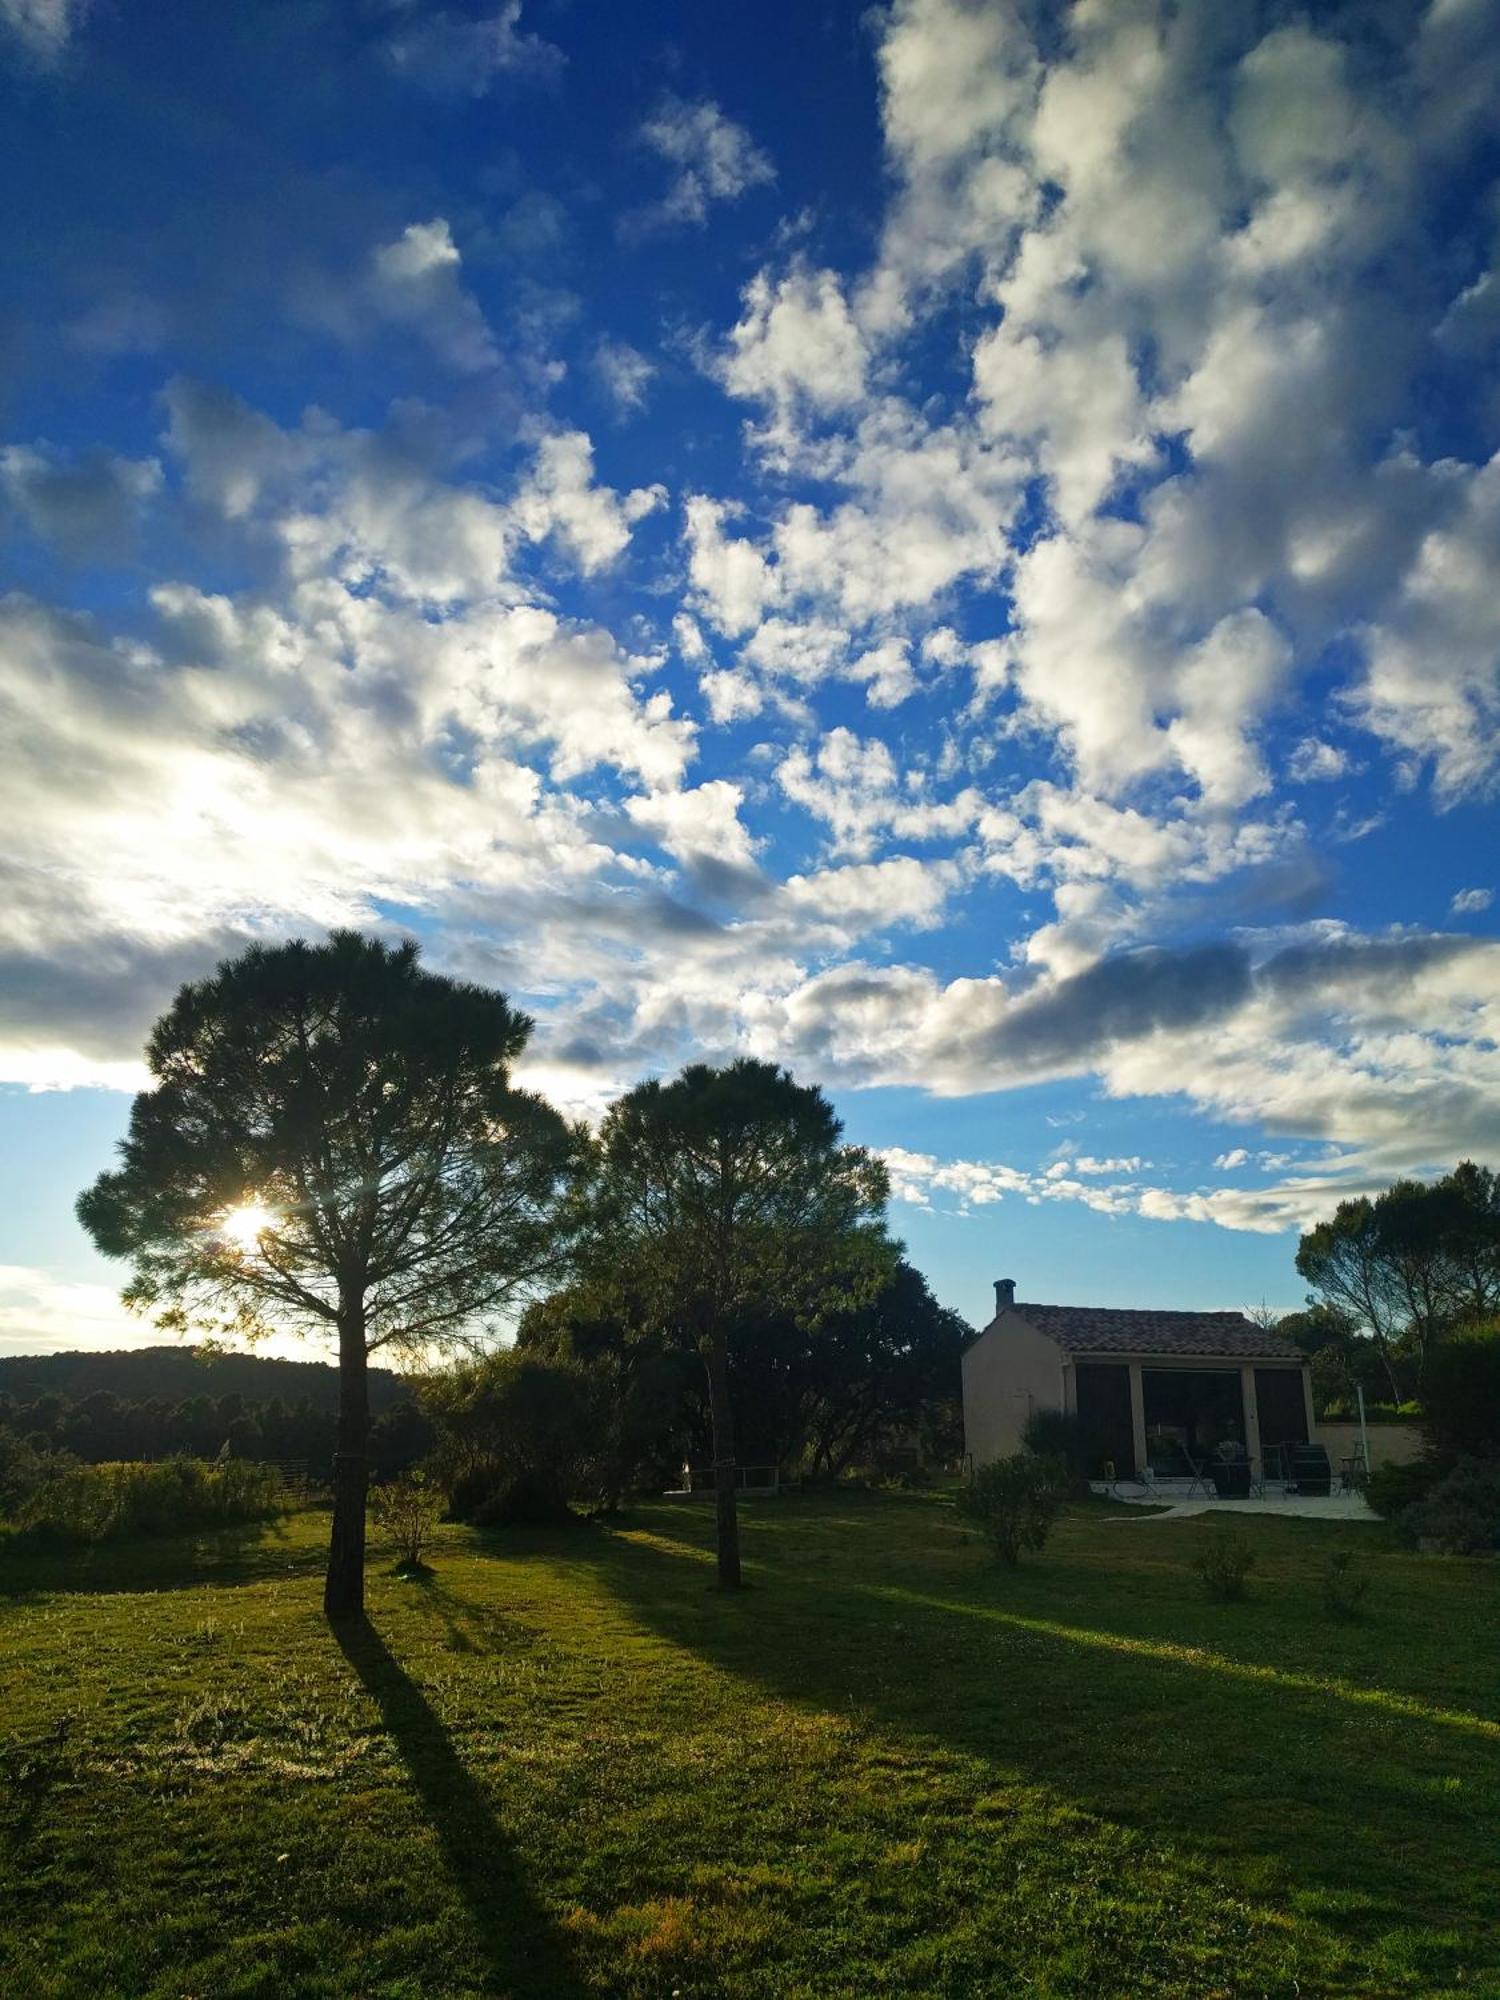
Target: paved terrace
[1169, 1500]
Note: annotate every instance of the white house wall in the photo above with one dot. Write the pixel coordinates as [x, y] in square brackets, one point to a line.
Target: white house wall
[1008, 1372]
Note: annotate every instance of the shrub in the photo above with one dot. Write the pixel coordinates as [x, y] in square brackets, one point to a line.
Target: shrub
[22, 1469]
[1461, 1394]
[524, 1500]
[511, 1421]
[406, 1510]
[1461, 1515]
[1344, 1587]
[1394, 1488]
[1058, 1435]
[1224, 1564]
[1013, 1502]
[95, 1503]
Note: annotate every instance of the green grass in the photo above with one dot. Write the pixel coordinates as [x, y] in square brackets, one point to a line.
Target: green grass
[566, 1765]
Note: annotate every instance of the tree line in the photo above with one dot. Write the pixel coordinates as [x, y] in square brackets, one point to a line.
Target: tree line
[103, 1427]
[876, 1388]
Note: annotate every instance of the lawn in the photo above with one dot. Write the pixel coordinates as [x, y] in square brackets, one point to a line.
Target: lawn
[567, 1766]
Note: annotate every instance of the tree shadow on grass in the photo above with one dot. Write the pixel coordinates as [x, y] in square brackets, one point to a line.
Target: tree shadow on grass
[522, 1952]
[469, 1627]
[1374, 1813]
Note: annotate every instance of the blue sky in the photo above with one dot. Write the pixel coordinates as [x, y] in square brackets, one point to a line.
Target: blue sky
[950, 545]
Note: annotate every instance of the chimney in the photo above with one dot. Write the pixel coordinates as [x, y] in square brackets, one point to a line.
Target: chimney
[1005, 1295]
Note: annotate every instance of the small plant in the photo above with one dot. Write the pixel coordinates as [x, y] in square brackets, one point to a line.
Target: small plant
[1013, 1502]
[1344, 1587]
[406, 1511]
[1224, 1565]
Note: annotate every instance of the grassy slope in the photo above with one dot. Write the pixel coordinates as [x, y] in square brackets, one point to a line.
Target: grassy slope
[566, 1766]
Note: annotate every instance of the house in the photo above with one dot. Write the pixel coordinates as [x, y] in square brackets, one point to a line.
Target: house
[1150, 1389]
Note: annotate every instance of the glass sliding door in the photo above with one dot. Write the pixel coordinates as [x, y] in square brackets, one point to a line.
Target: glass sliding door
[1189, 1413]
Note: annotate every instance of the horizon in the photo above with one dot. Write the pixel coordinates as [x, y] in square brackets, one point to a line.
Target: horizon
[949, 548]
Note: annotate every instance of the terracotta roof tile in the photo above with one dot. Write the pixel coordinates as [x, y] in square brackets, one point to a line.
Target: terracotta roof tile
[1112, 1330]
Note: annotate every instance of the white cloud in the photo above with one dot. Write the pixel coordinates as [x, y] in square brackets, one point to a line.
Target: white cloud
[926, 507]
[852, 785]
[796, 346]
[44, 26]
[958, 85]
[715, 160]
[417, 283]
[1432, 679]
[451, 52]
[699, 820]
[1470, 902]
[1314, 760]
[561, 499]
[873, 896]
[625, 374]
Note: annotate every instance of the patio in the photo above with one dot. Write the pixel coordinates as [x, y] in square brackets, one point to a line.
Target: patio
[1177, 1499]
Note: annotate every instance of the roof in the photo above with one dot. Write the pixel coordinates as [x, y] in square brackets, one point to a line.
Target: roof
[1112, 1330]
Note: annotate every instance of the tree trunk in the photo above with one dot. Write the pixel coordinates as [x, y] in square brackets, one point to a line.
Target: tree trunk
[344, 1589]
[1388, 1362]
[722, 1419]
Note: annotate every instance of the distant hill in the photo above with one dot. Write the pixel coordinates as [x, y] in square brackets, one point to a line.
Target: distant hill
[174, 1373]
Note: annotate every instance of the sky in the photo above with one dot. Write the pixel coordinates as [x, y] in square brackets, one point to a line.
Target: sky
[949, 545]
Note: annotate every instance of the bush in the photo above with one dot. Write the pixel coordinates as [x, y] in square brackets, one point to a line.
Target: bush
[1058, 1435]
[1013, 1502]
[1225, 1564]
[1394, 1488]
[95, 1503]
[1461, 1515]
[406, 1510]
[523, 1500]
[22, 1469]
[1461, 1395]
[515, 1436]
[1344, 1588]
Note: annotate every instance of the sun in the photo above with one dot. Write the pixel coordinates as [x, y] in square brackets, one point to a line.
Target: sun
[244, 1224]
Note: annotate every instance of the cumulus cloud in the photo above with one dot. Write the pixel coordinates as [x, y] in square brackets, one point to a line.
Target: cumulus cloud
[1470, 902]
[561, 499]
[796, 345]
[696, 821]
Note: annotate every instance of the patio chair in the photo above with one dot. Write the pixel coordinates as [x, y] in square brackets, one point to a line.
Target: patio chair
[1202, 1471]
[1354, 1474]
